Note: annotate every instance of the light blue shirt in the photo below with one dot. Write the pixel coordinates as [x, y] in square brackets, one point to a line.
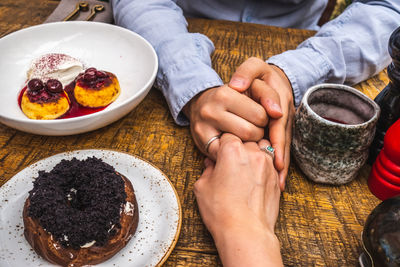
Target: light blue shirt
[348, 49]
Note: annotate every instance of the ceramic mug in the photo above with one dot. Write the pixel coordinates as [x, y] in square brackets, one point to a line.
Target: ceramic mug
[334, 127]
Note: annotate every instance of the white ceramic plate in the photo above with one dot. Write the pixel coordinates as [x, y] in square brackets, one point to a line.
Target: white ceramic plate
[122, 52]
[160, 214]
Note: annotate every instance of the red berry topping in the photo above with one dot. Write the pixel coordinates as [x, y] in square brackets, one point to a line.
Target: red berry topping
[94, 79]
[90, 70]
[35, 85]
[89, 76]
[54, 86]
[101, 74]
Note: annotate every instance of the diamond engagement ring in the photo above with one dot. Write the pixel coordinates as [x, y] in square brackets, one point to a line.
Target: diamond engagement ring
[212, 139]
[269, 150]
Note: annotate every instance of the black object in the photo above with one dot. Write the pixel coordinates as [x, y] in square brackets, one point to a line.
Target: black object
[389, 98]
[381, 235]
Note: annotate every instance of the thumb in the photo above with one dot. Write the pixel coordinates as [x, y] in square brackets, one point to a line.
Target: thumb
[239, 83]
[248, 71]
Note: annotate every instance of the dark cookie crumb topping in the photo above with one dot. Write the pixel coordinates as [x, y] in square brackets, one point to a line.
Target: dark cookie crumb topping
[78, 201]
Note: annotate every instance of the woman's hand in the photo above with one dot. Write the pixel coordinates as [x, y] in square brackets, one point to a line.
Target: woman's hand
[238, 199]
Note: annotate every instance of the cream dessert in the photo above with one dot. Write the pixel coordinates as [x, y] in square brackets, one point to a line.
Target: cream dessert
[58, 87]
[44, 101]
[55, 66]
[96, 88]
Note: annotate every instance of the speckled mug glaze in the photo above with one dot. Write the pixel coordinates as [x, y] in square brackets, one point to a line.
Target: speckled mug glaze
[330, 152]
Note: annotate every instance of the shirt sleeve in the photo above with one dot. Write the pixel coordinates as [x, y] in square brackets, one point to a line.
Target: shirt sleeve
[184, 58]
[348, 49]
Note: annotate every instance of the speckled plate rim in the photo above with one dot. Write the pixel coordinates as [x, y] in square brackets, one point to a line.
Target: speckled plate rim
[99, 150]
[178, 231]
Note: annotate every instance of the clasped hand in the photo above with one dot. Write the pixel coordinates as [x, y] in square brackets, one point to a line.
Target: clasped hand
[258, 96]
[238, 199]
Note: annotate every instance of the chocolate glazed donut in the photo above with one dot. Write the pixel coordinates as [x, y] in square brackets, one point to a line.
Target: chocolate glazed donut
[51, 250]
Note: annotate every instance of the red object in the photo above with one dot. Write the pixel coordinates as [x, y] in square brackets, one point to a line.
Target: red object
[384, 179]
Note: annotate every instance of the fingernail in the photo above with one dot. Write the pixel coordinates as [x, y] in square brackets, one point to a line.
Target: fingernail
[237, 82]
[276, 107]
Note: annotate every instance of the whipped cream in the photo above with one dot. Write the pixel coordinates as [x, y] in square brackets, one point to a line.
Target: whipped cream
[55, 66]
[129, 208]
[72, 190]
[88, 245]
[112, 227]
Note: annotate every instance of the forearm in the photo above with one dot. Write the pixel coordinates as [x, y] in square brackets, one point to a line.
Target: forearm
[254, 246]
[184, 58]
[348, 50]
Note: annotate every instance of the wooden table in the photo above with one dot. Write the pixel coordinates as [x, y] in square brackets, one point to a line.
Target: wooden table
[318, 225]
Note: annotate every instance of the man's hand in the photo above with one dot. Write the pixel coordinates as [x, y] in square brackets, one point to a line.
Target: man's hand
[260, 79]
[222, 109]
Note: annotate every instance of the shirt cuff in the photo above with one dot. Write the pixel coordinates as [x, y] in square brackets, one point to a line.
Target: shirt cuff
[304, 68]
[184, 80]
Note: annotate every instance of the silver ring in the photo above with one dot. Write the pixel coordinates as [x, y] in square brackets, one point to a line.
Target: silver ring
[212, 139]
[269, 150]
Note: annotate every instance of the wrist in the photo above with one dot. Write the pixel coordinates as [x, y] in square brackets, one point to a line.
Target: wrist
[186, 109]
[222, 232]
[284, 78]
[281, 74]
[248, 245]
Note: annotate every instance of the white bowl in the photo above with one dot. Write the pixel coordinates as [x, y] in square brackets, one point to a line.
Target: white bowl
[108, 47]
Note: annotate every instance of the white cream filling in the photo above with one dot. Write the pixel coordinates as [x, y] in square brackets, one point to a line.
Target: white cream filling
[112, 226]
[73, 190]
[56, 246]
[129, 208]
[88, 245]
[65, 71]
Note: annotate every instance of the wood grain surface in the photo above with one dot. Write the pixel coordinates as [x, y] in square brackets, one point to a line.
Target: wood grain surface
[318, 225]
